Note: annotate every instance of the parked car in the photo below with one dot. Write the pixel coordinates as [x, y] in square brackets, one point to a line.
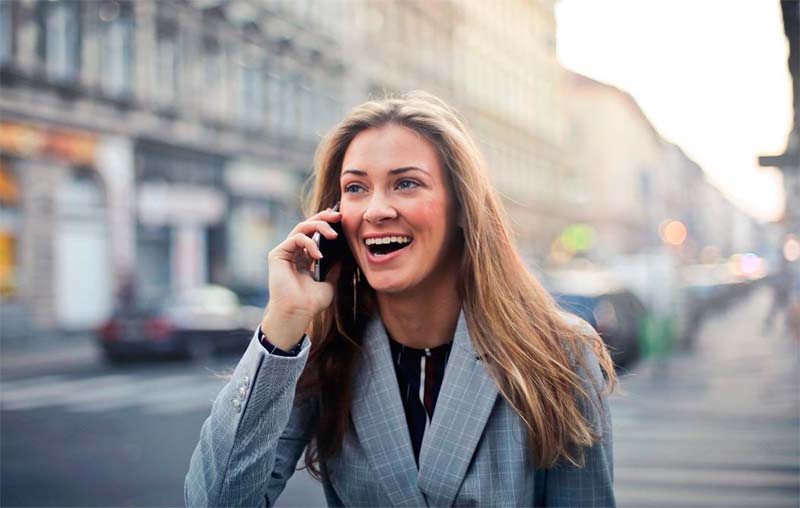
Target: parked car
[195, 323]
[616, 315]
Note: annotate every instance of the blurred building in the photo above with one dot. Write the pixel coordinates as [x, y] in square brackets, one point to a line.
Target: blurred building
[400, 46]
[616, 154]
[509, 89]
[178, 133]
[789, 161]
[153, 145]
[496, 62]
[631, 184]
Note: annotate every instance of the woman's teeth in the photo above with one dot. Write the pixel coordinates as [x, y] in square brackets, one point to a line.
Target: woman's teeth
[385, 245]
[387, 239]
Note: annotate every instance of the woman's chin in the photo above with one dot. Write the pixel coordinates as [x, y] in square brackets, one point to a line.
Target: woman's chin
[388, 285]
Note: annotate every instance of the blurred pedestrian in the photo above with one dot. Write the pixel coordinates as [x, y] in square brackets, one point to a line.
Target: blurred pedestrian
[126, 297]
[429, 309]
[781, 284]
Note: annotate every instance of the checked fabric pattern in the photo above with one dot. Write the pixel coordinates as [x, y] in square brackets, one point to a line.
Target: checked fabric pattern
[473, 454]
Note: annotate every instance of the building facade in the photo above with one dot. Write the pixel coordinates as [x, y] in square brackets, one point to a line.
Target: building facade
[633, 183]
[155, 145]
[496, 63]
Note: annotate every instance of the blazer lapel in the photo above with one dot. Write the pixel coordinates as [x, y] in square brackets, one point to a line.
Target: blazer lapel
[465, 401]
[380, 420]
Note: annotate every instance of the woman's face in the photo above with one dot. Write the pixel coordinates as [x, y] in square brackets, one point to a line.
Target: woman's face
[397, 212]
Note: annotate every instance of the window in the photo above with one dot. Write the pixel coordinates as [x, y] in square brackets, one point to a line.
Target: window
[6, 33]
[117, 48]
[306, 114]
[289, 106]
[60, 40]
[274, 99]
[251, 86]
[252, 96]
[166, 64]
[214, 80]
[10, 229]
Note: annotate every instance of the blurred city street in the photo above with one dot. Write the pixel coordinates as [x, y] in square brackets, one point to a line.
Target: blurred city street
[719, 426]
[152, 154]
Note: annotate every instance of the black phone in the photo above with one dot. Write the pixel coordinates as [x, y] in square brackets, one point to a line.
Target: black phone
[332, 250]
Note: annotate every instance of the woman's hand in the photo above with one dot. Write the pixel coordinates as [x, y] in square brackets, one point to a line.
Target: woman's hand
[294, 296]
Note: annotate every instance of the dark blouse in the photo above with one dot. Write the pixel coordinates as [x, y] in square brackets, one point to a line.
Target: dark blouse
[419, 375]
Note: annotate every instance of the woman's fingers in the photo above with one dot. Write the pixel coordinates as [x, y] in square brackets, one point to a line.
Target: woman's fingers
[325, 216]
[309, 227]
[293, 245]
[303, 242]
[299, 245]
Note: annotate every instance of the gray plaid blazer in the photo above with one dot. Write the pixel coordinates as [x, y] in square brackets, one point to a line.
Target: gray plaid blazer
[473, 453]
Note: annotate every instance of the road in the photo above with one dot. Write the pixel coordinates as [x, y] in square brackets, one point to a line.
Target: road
[719, 426]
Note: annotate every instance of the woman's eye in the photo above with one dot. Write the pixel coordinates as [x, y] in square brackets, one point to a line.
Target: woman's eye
[353, 187]
[407, 184]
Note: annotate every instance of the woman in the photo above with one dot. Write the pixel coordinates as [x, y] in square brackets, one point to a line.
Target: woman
[430, 368]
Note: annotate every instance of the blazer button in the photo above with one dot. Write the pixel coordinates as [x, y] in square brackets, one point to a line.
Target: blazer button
[242, 391]
[246, 380]
[237, 404]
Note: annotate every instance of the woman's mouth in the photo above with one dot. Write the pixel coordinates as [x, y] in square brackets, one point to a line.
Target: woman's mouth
[384, 248]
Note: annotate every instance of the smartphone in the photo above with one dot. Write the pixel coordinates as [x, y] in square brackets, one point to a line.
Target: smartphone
[332, 250]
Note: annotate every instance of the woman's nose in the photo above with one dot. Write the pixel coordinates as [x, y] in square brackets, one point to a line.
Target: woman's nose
[379, 210]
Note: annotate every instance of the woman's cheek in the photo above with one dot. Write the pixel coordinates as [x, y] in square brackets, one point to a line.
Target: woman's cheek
[429, 212]
[350, 230]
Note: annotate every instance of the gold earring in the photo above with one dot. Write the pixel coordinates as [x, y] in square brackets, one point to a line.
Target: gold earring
[356, 280]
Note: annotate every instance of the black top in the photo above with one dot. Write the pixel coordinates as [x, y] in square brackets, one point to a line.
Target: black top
[420, 373]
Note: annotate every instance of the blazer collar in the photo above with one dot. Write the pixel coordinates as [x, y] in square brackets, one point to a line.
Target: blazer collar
[465, 401]
[380, 421]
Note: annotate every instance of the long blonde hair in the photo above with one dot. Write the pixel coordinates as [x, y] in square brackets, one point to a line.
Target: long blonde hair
[529, 349]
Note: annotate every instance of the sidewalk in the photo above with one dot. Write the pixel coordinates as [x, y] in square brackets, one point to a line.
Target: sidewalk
[40, 354]
[715, 426]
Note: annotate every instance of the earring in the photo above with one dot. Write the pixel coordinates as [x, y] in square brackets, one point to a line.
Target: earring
[356, 281]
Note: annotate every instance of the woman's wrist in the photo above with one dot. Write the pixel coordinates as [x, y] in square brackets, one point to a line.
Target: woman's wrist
[284, 332]
[275, 350]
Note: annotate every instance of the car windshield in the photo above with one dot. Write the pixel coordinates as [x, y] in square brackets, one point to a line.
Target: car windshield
[206, 297]
[142, 306]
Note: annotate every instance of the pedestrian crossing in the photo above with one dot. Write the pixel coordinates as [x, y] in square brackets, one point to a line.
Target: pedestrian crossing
[156, 394]
[691, 462]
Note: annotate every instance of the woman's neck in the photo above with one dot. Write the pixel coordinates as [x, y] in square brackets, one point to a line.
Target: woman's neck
[422, 319]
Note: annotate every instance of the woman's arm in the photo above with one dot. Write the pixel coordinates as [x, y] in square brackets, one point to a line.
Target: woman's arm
[247, 448]
[250, 443]
[593, 485]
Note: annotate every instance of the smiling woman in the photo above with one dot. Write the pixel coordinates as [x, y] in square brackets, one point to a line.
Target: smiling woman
[402, 192]
[430, 310]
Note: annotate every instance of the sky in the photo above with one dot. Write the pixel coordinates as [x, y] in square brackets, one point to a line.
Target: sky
[711, 75]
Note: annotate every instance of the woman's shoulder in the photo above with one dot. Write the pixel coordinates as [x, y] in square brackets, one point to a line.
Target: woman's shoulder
[577, 324]
[585, 357]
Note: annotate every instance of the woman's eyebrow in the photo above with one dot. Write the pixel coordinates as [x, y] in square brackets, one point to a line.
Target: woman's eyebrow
[397, 171]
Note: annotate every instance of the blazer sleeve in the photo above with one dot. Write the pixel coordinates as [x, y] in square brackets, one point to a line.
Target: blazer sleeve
[593, 485]
[250, 443]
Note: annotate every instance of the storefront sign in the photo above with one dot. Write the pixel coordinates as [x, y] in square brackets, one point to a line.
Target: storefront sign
[28, 140]
[248, 179]
[174, 204]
